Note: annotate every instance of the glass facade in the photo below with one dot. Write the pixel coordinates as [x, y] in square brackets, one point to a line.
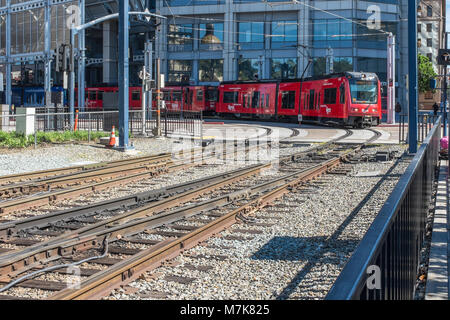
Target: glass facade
[379, 66]
[284, 68]
[284, 34]
[211, 36]
[180, 70]
[334, 33]
[251, 35]
[210, 70]
[178, 3]
[248, 69]
[180, 37]
[340, 64]
[372, 38]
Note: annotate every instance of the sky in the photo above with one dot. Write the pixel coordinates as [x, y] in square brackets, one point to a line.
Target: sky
[447, 13]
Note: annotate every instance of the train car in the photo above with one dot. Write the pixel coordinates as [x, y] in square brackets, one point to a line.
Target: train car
[94, 97]
[349, 99]
[189, 98]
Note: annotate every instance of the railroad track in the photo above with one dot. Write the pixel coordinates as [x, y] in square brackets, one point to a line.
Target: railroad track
[40, 192]
[117, 248]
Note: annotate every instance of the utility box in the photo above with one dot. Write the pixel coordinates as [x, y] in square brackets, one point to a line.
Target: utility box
[25, 120]
[4, 120]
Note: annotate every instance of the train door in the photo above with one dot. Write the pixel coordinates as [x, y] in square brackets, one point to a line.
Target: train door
[199, 99]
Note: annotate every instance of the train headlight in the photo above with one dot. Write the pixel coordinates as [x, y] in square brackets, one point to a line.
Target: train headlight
[355, 110]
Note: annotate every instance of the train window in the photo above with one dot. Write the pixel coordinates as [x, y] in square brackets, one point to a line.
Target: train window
[100, 95]
[267, 101]
[288, 100]
[211, 95]
[135, 95]
[330, 96]
[230, 97]
[191, 96]
[311, 99]
[166, 96]
[318, 101]
[342, 94]
[255, 100]
[261, 102]
[176, 96]
[199, 95]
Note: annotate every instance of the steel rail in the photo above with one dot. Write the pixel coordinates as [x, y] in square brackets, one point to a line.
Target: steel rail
[161, 199]
[78, 178]
[18, 262]
[71, 170]
[129, 269]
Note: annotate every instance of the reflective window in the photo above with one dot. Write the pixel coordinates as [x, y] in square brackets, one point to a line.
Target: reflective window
[340, 64]
[334, 33]
[211, 70]
[180, 37]
[230, 97]
[178, 3]
[248, 69]
[284, 68]
[288, 100]
[251, 35]
[135, 96]
[330, 96]
[284, 34]
[364, 91]
[176, 96]
[211, 36]
[180, 70]
[255, 100]
[199, 95]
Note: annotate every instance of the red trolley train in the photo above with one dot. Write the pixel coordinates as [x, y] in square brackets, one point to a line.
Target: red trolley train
[350, 98]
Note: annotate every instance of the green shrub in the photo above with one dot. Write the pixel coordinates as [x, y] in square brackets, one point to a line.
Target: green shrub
[16, 140]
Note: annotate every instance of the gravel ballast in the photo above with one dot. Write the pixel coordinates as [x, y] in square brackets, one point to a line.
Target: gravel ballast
[313, 234]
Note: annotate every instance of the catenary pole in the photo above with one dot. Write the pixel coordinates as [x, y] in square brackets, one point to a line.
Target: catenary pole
[413, 78]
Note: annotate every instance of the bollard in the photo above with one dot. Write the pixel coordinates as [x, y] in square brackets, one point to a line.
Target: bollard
[76, 121]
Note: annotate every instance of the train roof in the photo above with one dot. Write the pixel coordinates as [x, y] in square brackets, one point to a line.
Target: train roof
[356, 75]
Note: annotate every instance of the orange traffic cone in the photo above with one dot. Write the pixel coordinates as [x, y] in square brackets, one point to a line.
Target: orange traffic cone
[112, 138]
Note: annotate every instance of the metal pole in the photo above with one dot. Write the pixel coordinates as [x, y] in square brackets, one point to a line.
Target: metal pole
[150, 72]
[144, 97]
[8, 92]
[124, 24]
[446, 119]
[72, 81]
[81, 58]
[391, 79]
[445, 101]
[158, 97]
[413, 79]
[48, 58]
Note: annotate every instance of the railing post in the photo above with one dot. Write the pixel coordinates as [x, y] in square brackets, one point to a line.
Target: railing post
[89, 130]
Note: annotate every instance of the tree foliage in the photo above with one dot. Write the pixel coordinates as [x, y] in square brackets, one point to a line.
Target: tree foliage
[426, 73]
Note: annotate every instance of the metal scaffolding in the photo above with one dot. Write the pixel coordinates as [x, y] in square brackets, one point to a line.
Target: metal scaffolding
[31, 31]
[36, 25]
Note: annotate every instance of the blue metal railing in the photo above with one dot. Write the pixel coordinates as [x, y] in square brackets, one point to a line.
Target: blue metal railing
[426, 122]
[393, 242]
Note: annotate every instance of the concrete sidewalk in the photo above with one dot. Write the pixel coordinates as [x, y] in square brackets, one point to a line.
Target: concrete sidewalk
[437, 287]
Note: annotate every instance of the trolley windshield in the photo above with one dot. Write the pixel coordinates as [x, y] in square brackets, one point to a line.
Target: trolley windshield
[364, 91]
